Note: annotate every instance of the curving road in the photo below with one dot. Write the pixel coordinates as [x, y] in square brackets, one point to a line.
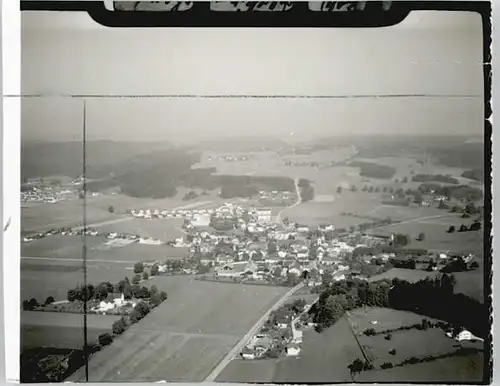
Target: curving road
[298, 202]
[239, 346]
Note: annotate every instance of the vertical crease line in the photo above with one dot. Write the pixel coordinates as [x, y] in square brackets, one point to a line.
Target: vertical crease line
[84, 251]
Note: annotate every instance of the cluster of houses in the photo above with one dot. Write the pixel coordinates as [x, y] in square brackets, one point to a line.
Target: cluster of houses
[232, 158]
[277, 198]
[46, 194]
[112, 238]
[282, 333]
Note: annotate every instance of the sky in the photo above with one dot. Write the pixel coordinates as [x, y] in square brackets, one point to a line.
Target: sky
[431, 53]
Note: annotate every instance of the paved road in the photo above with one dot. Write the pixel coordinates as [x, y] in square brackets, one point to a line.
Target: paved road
[239, 346]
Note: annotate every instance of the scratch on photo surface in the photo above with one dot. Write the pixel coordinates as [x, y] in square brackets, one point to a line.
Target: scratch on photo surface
[7, 225]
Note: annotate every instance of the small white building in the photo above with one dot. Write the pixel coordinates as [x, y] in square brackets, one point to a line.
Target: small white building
[292, 350]
[201, 220]
[264, 215]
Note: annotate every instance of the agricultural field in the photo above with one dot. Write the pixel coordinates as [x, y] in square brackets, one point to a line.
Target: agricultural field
[411, 343]
[39, 217]
[407, 167]
[41, 279]
[436, 236]
[314, 213]
[62, 214]
[185, 337]
[163, 229]
[386, 318]
[406, 343]
[58, 330]
[249, 371]
[453, 370]
[470, 283]
[410, 275]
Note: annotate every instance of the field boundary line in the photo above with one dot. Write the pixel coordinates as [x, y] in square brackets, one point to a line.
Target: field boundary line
[367, 359]
[76, 260]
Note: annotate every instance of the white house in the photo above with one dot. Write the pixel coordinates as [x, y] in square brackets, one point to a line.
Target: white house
[466, 335]
[247, 353]
[264, 215]
[292, 350]
[202, 220]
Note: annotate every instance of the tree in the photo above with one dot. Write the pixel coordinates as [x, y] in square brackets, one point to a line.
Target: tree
[153, 290]
[135, 316]
[353, 188]
[143, 308]
[421, 236]
[277, 271]
[136, 279]
[49, 300]
[105, 339]
[138, 267]
[339, 189]
[475, 226]
[451, 229]
[327, 278]
[154, 270]
[145, 276]
[127, 292]
[356, 366]
[71, 295]
[401, 240]
[155, 300]
[163, 296]
[118, 327]
[111, 209]
[463, 228]
[370, 189]
[404, 180]
[291, 279]
[101, 292]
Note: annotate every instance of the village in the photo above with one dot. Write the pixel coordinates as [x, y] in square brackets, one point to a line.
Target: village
[239, 244]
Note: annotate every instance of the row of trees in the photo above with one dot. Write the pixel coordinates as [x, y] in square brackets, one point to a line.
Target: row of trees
[102, 290]
[30, 305]
[431, 297]
[475, 226]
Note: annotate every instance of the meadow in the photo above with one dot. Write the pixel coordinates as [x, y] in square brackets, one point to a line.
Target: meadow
[436, 236]
[37, 217]
[406, 344]
[453, 370]
[249, 371]
[163, 229]
[185, 337]
[58, 330]
[386, 318]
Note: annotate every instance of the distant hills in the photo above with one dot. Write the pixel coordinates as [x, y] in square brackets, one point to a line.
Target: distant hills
[66, 158]
[150, 170]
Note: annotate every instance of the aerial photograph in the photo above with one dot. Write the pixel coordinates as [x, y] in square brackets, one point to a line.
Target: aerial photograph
[253, 205]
